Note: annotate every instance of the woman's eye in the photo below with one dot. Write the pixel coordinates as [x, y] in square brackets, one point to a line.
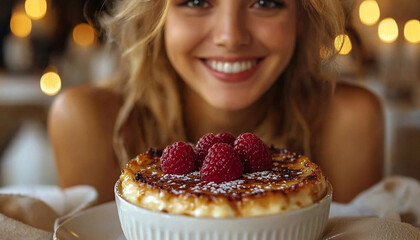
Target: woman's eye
[196, 4]
[268, 4]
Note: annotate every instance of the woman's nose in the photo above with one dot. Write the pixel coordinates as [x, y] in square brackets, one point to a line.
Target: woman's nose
[230, 30]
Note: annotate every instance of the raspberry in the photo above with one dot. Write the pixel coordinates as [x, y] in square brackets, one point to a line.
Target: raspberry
[253, 152]
[226, 137]
[178, 158]
[203, 146]
[221, 164]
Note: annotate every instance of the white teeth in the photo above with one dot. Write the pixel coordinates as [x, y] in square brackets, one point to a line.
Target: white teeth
[236, 67]
[227, 67]
[219, 66]
[243, 65]
[213, 64]
[248, 64]
[231, 67]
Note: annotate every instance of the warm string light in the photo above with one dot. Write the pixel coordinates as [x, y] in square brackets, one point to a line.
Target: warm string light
[50, 83]
[20, 24]
[369, 12]
[36, 9]
[412, 31]
[83, 35]
[343, 44]
[388, 30]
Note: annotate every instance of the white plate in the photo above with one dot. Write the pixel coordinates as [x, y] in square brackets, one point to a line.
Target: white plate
[96, 223]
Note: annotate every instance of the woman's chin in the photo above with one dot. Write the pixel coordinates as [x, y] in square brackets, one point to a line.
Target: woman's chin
[230, 104]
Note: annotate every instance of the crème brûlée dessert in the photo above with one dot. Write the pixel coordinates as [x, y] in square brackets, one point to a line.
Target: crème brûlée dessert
[291, 182]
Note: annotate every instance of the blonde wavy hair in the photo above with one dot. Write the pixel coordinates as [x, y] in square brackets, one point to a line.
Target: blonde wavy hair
[152, 90]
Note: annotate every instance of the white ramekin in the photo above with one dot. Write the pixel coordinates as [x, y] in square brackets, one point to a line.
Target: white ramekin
[143, 224]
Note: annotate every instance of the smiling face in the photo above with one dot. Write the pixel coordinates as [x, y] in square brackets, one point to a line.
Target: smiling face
[230, 52]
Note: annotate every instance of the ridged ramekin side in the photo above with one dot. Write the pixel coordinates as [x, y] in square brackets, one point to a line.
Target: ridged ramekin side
[143, 224]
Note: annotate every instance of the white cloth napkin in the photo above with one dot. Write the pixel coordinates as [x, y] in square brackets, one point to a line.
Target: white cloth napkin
[32, 212]
[388, 210]
[369, 228]
[396, 198]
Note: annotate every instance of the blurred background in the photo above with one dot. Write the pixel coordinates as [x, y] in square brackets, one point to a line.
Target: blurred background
[47, 46]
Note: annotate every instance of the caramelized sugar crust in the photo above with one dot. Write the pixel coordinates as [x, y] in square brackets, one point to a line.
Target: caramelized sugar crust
[293, 182]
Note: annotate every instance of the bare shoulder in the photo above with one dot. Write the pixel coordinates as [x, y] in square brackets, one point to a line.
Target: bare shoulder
[80, 126]
[351, 102]
[87, 100]
[354, 111]
[349, 146]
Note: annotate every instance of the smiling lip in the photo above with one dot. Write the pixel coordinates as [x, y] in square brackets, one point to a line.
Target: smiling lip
[232, 70]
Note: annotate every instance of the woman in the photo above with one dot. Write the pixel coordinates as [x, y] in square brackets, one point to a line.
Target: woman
[189, 67]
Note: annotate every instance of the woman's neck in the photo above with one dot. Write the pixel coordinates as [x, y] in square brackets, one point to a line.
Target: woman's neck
[201, 118]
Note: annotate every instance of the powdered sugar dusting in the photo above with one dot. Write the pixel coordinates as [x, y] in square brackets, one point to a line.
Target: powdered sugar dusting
[219, 188]
[272, 175]
[181, 177]
[280, 178]
[249, 183]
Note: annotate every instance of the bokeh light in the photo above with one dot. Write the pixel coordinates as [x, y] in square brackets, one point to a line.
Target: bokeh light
[20, 24]
[50, 83]
[369, 12]
[388, 30]
[36, 9]
[342, 44]
[412, 31]
[83, 35]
